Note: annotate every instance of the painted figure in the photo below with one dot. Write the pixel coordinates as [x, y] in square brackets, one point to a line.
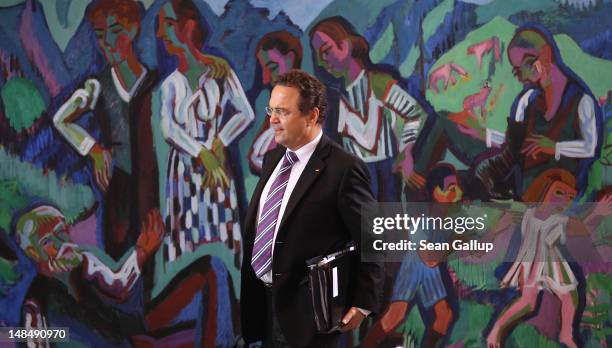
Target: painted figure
[75, 281]
[377, 120]
[419, 275]
[555, 122]
[123, 158]
[201, 203]
[277, 53]
[203, 111]
[540, 264]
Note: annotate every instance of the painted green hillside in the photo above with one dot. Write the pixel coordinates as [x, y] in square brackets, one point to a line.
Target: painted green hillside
[22, 183]
[597, 73]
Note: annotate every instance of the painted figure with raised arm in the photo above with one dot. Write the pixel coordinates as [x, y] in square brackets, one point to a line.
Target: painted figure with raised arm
[540, 263]
[197, 99]
[377, 119]
[123, 156]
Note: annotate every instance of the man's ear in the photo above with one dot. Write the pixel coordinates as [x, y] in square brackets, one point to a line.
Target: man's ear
[314, 115]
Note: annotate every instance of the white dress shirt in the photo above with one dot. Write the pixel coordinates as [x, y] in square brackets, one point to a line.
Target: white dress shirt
[303, 153]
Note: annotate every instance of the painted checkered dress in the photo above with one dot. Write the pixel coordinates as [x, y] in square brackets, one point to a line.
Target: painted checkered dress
[195, 214]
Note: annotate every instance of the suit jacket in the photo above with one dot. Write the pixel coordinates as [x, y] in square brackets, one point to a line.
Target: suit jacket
[322, 215]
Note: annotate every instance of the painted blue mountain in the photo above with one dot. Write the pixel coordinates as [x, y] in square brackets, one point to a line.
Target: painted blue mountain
[25, 35]
[233, 35]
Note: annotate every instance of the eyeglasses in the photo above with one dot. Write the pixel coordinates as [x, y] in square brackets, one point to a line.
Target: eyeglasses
[280, 112]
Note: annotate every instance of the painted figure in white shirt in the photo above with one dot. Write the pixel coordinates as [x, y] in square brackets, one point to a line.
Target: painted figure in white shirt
[115, 31]
[377, 120]
[203, 111]
[555, 121]
[119, 139]
[540, 263]
[43, 234]
[201, 199]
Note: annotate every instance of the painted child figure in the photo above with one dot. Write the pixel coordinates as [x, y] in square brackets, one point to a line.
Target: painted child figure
[540, 264]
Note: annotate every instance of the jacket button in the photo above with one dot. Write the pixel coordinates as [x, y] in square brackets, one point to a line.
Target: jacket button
[279, 242]
[277, 274]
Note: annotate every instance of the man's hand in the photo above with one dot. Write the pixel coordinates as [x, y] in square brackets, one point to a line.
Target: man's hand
[102, 163]
[150, 237]
[536, 144]
[351, 320]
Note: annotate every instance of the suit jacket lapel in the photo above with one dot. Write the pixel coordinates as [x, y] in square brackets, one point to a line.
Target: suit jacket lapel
[311, 172]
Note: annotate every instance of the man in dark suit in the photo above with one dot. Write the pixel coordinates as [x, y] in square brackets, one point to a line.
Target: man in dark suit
[306, 204]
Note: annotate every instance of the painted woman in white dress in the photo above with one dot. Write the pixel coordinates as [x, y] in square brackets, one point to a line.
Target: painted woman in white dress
[540, 264]
[204, 109]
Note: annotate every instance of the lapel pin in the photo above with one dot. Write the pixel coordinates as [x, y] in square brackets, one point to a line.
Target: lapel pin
[317, 170]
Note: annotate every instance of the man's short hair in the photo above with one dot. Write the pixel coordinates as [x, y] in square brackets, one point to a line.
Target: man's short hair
[312, 91]
[128, 12]
[284, 42]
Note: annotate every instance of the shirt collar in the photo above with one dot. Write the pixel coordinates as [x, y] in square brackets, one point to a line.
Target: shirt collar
[126, 96]
[304, 152]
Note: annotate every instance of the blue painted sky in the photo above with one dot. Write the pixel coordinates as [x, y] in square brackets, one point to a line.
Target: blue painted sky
[301, 12]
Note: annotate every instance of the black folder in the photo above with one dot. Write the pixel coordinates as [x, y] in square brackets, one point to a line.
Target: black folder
[329, 278]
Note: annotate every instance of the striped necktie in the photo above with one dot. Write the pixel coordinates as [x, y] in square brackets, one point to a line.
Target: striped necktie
[262, 249]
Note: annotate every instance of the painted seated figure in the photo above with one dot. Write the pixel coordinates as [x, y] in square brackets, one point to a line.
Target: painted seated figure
[82, 287]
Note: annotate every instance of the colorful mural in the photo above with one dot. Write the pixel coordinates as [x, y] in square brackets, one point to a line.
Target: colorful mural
[132, 134]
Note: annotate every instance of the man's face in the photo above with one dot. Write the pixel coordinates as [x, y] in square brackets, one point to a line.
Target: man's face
[450, 193]
[329, 55]
[46, 241]
[291, 127]
[274, 63]
[559, 196]
[114, 37]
